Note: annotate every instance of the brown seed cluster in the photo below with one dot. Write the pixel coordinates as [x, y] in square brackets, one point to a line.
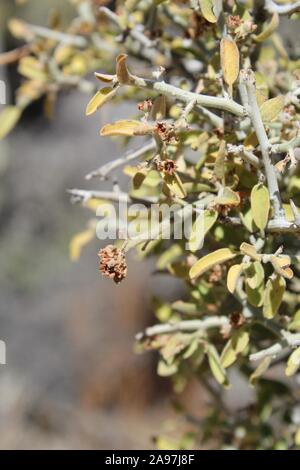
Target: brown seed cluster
[167, 166]
[166, 132]
[113, 263]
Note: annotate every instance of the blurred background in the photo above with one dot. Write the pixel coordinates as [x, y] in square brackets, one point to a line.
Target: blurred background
[72, 379]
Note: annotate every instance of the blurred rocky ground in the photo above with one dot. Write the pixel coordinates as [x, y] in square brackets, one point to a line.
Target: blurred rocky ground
[72, 379]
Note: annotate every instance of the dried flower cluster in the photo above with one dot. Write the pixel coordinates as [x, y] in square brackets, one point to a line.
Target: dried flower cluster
[112, 263]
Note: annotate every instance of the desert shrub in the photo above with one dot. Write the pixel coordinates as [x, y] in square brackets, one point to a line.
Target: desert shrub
[216, 139]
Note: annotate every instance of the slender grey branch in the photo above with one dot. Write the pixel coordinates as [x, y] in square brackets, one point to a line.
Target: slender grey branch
[105, 169]
[273, 7]
[216, 120]
[286, 146]
[133, 32]
[84, 195]
[248, 79]
[79, 195]
[68, 39]
[207, 101]
[245, 154]
[289, 341]
[186, 325]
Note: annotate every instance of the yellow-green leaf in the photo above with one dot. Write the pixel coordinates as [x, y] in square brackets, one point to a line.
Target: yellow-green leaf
[235, 346]
[228, 356]
[124, 127]
[273, 296]
[207, 262]
[202, 225]
[260, 370]
[174, 186]
[254, 285]
[31, 68]
[103, 77]
[206, 7]
[219, 169]
[250, 250]
[165, 370]
[281, 264]
[228, 197]
[8, 119]
[216, 367]
[297, 437]
[262, 89]
[233, 276]
[270, 109]
[270, 28]
[247, 219]
[293, 363]
[260, 205]
[255, 274]
[240, 340]
[99, 99]
[230, 60]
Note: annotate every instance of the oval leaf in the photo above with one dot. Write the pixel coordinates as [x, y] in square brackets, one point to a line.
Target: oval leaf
[206, 7]
[233, 277]
[99, 99]
[126, 127]
[250, 250]
[230, 60]
[260, 205]
[260, 370]
[228, 197]
[174, 186]
[210, 260]
[273, 295]
[270, 109]
[216, 367]
[202, 225]
[293, 363]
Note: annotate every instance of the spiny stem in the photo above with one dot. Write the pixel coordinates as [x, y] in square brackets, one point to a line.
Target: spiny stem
[207, 101]
[186, 325]
[247, 77]
[105, 169]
